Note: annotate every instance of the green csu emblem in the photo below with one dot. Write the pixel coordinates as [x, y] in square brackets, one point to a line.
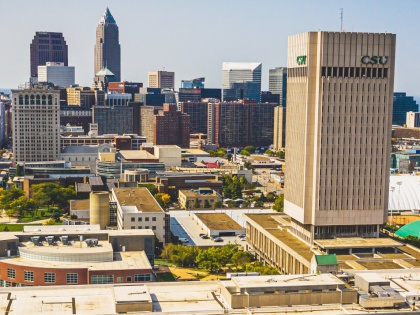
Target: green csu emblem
[373, 60]
[301, 60]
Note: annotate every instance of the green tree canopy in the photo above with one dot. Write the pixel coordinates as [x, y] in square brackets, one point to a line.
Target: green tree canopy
[250, 148]
[8, 196]
[244, 152]
[279, 203]
[152, 188]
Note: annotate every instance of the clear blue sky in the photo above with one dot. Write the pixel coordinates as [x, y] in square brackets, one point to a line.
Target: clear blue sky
[193, 38]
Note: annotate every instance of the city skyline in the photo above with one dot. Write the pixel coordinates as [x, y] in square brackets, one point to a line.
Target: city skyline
[264, 40]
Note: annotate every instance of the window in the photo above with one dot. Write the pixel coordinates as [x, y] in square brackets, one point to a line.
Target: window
[153, 218]
[49, 277]
[11, 273]
[141, 277]
[133, 219]
[101, 279]
[129, 279]
[132, 227]
[154, 228]
[146, 219]
[72, 278]
[28, 276]
[139, 219]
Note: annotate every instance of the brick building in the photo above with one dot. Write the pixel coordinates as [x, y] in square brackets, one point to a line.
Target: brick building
[171, 127]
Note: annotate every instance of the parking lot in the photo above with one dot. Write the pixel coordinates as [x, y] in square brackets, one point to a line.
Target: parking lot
[184, 226]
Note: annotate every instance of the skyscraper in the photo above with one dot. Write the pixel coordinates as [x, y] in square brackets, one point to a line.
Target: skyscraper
[277, 83]
[47, 47]
[402, 105]
[107, 47]
[339, 109]
[241, 80]
[238, 124]
[161, 79]
[36, 124]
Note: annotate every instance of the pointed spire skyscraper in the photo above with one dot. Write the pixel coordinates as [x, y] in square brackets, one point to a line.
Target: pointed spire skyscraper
[107, 47]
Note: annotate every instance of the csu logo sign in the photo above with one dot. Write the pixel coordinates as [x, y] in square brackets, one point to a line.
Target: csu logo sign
[374, 60]
[301, 60]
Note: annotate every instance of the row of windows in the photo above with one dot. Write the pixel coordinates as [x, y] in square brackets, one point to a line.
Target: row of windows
[36, 99]
[342, 72]
[49, 277]
[106, 279]
[140, 219]
[354, 72]
[146, 227]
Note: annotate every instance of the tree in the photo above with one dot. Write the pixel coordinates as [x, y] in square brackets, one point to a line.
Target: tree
[270, 197]
[280, 154]
[163, 199]
[241, 258]
[19, 170]
[218, 204]
[206, 204]
[248, 165]
[263, 270]
[262, 198]
[259, 204]
[243, 180]
[279, 203]
[244, 152]
[152, 188]
[8, 196]
[250, 148]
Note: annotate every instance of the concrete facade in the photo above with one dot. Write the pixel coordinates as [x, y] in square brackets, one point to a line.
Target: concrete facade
[36, 124]
[137, 209]
[340, 93]
[279, 141]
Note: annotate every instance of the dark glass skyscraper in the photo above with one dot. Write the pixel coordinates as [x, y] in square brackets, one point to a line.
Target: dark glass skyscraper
[107, 47]
[402, 105]
[47, 47]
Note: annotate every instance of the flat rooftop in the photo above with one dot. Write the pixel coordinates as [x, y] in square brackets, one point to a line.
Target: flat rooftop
[218, 221]
[272, 223]
[83, 204]
[137, 155]
[195, 193]
[357, 242]
[140, 198]
[121, 261]
[255, 282]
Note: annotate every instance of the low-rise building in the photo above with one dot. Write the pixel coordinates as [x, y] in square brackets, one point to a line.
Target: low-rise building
[84, 154]
[52, 255]
[137, 209]
[269, 238]
[218, 224]
[171, 182]
[265, 291]
[203, 197]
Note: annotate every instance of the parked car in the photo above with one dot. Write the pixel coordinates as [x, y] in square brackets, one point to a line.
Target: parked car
[183, 240]
[243, 238]
[204, 236]
[240, 235]
[218, 239]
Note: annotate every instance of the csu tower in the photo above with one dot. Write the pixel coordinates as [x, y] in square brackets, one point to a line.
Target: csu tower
[107, 47]
[338, 140]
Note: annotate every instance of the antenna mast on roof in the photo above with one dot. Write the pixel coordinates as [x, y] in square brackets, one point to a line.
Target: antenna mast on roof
[341, 19]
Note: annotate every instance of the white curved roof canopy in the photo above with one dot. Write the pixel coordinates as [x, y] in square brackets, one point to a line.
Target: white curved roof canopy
[404, 193]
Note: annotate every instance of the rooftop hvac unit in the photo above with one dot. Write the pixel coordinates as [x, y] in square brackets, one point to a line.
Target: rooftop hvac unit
[65, 240]
[35, 240]
[50, 240]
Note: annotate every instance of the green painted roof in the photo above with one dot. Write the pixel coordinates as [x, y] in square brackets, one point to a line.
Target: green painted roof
[326, 259]
[412, 228]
